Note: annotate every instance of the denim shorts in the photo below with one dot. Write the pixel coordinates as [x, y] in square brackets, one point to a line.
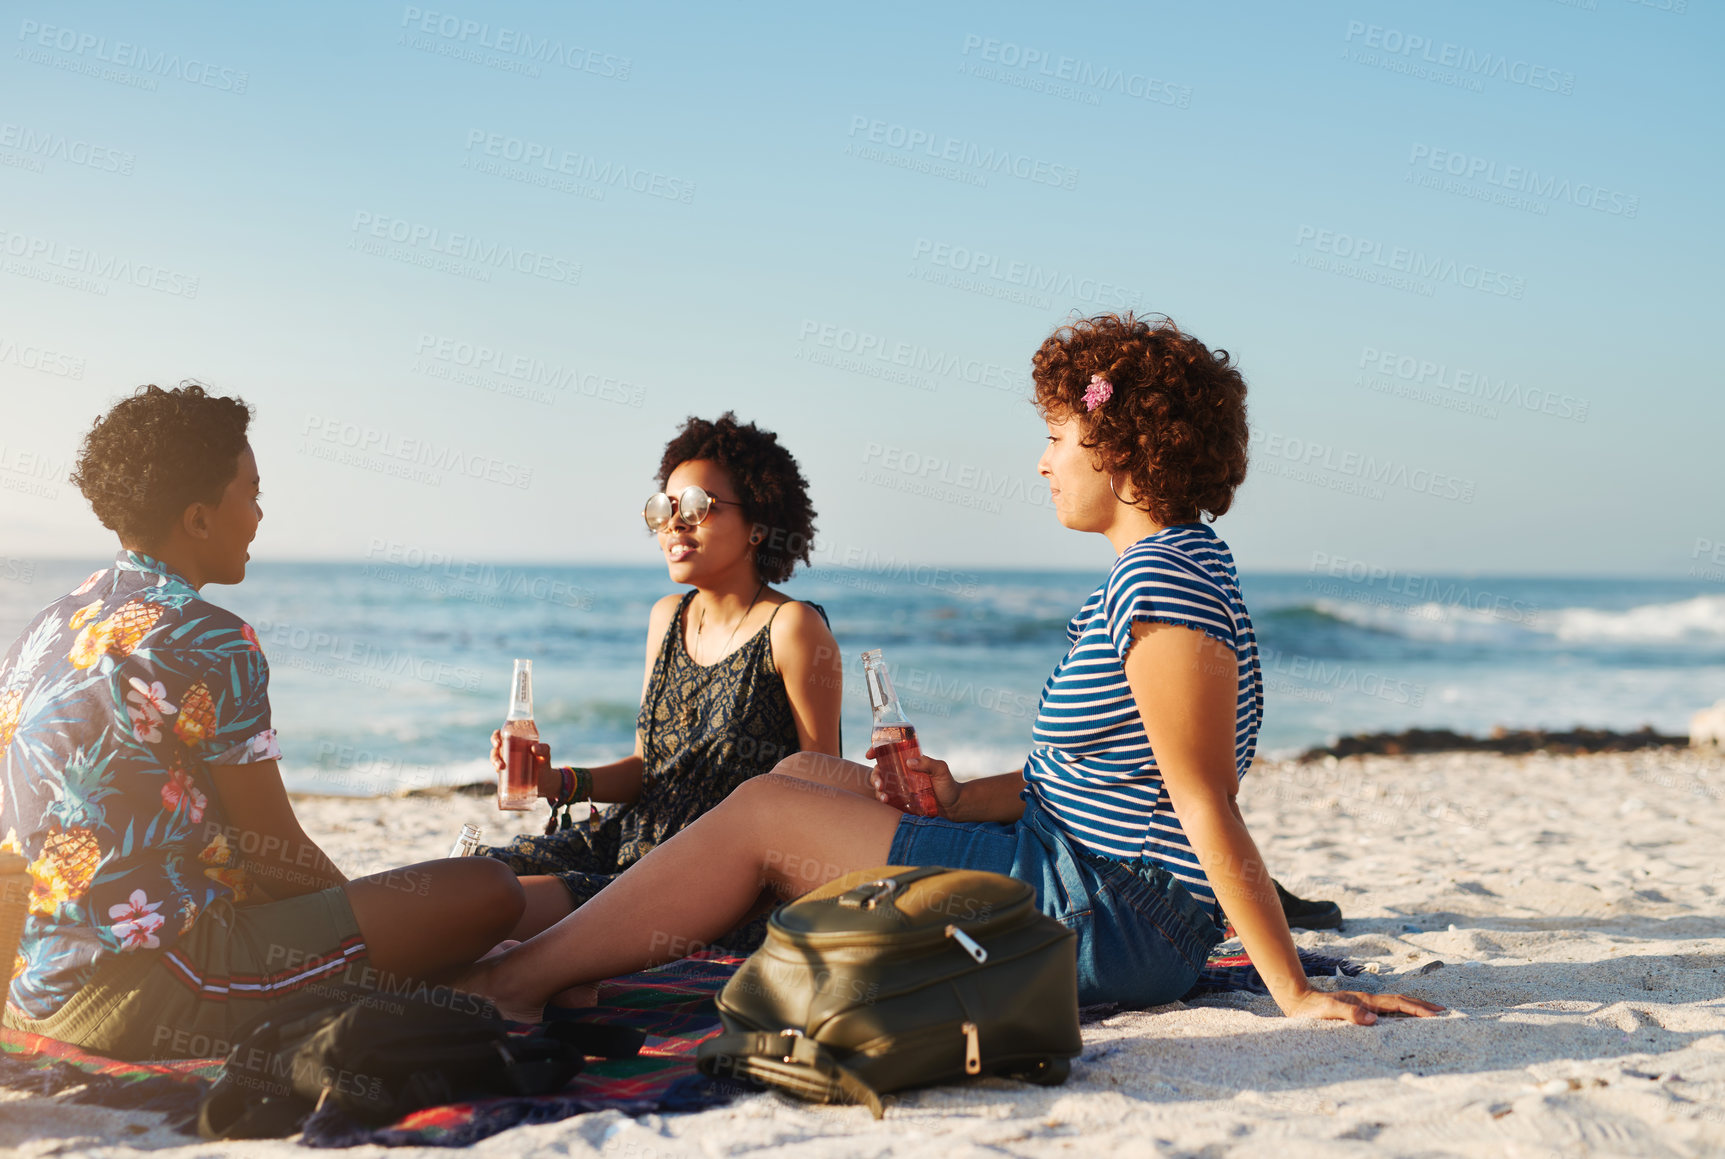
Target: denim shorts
[1142, 938]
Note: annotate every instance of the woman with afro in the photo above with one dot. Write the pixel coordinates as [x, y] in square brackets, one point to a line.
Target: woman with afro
[738, 675]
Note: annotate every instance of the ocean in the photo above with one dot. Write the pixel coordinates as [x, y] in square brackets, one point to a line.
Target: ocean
[392, 676]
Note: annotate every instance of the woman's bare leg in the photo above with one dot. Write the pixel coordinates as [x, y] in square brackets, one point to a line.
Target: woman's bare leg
[828, 770]
[548, 902]
[775, 834]
[427, 920]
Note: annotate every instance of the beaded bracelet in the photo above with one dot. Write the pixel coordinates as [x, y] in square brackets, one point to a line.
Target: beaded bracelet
[576, 785]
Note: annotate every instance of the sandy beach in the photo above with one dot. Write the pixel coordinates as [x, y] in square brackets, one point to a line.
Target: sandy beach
[1568, 911]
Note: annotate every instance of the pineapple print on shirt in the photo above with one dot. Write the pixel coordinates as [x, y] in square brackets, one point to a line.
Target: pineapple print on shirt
[197, 715]
[114, 704]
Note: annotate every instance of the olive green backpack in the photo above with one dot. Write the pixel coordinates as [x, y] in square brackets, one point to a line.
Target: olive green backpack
[902, 977]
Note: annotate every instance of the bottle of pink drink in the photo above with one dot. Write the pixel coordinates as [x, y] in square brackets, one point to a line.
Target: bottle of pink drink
[517, 784]
[894, 740]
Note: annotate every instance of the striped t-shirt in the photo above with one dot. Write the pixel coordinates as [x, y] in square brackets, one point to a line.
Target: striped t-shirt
[1091, 766]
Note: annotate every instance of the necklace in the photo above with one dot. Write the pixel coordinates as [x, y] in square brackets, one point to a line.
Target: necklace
[702, 621]
[707, 669]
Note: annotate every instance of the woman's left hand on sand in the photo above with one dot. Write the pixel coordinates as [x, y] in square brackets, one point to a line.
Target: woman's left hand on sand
[1358, 1007]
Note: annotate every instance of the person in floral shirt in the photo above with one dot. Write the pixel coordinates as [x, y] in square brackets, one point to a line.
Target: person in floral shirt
[115, 702]
[174, 894]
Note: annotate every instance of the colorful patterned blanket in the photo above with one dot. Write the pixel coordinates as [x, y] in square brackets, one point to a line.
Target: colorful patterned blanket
[672, 1005]
[1230, 969]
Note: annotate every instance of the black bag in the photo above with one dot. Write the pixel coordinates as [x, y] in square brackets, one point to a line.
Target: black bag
[379, 1057]
[900, 977]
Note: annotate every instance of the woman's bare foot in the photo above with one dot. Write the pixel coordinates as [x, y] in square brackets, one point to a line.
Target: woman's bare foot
[577, 997]
[482, 979]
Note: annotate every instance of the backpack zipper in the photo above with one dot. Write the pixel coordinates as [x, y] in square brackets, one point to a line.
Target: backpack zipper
[1003, 921]
[970, 944]
[972, 1049]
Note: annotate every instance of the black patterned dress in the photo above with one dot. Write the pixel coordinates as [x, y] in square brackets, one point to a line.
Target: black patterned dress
[704, 731]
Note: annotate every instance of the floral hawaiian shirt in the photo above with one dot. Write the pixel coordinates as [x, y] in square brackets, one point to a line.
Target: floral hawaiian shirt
[114, 703]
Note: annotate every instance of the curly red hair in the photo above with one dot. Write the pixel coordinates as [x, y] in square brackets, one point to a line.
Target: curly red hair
[1175, 425]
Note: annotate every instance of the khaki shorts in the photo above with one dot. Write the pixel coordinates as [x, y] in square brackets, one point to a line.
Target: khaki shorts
[236, 964]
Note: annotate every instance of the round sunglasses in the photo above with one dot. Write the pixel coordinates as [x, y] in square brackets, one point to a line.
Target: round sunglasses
[692, 506]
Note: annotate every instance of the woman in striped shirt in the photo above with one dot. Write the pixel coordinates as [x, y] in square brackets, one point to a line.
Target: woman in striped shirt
[1124, 815]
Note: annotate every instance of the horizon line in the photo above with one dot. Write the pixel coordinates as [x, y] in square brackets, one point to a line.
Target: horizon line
[460, 562]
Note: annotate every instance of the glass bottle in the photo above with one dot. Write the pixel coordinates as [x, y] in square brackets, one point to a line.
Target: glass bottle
[518, 783]
[894, 741]
[468, 842]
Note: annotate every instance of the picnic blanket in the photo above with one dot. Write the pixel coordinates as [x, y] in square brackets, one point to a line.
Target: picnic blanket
[671, 1004]
[1230, 969]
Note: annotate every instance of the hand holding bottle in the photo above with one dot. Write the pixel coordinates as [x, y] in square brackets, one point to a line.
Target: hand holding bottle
[893, 745]
[550, 782]
[943, 787]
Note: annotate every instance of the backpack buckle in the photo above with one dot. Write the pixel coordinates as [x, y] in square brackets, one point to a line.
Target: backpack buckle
[870, 894]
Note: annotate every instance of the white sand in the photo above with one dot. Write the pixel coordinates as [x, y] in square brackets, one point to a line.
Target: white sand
[1576, 903]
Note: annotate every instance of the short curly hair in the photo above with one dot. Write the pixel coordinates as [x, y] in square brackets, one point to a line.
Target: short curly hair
[770, 487]
[155, 453]
[1175, 425]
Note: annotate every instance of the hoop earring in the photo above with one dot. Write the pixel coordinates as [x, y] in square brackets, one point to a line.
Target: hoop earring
[1116, 493]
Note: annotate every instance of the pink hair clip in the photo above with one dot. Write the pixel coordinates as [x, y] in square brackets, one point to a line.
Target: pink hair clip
[1098, 392]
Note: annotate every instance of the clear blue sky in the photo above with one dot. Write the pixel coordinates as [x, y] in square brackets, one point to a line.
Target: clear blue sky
[1461, 250]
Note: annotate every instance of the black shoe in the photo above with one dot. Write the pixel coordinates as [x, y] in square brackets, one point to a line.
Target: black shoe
[1308, 915]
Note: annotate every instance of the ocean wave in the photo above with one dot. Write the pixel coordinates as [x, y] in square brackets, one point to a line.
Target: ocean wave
[1444, 623]
[1700, 620]
[1697, 620]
